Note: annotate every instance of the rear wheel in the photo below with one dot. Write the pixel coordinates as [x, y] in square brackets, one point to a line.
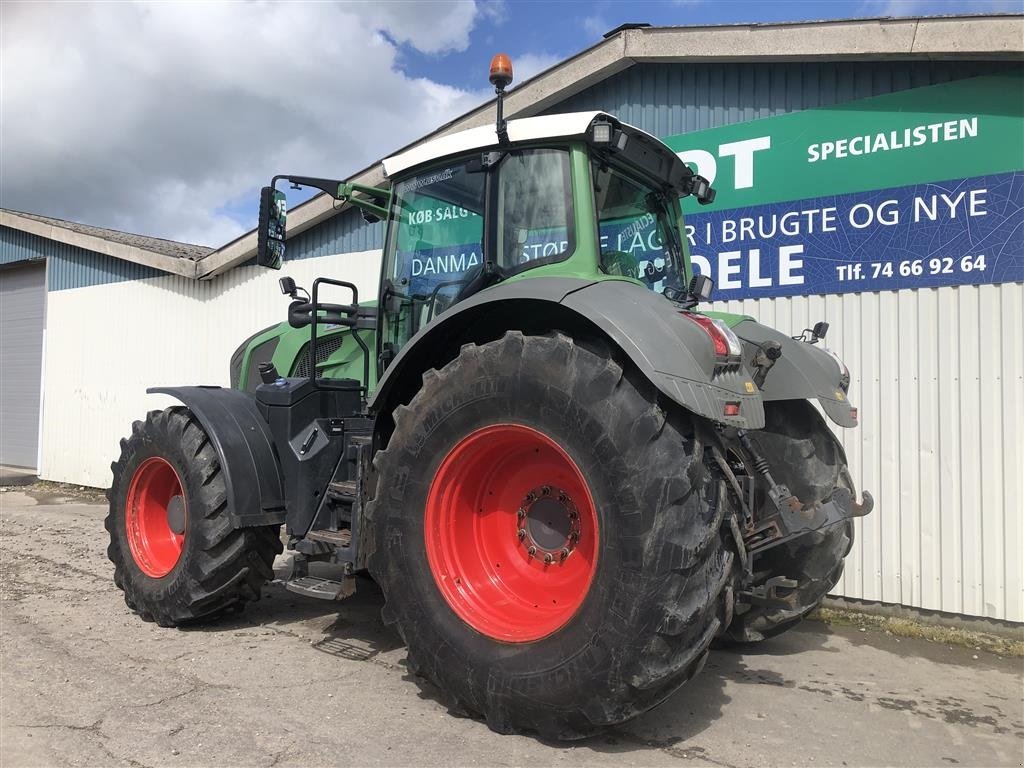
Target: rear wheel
[175, 553]
[806, 457]
[547, 538]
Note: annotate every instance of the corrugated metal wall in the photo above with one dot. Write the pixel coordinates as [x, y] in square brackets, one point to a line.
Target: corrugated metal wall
[668, 99]
[69, 266]
[107, 343]
[938, 374]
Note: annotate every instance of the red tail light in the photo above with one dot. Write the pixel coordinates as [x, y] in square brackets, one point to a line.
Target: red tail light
[727, 344]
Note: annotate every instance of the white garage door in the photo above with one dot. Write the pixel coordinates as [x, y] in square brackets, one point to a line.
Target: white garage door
[22, 313]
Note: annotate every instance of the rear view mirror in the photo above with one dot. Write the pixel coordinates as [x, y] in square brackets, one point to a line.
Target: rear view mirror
[271, 230]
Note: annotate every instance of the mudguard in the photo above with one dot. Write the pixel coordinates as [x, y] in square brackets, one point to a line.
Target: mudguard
[804, 372]
[671, 351]
[245, 448]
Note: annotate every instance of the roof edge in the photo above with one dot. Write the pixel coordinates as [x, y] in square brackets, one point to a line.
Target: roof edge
[170, 264]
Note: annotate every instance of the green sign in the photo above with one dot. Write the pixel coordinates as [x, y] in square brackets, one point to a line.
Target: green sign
[966, 128]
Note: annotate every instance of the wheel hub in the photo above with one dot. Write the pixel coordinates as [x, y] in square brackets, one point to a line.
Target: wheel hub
[548, 524]
[176, 514]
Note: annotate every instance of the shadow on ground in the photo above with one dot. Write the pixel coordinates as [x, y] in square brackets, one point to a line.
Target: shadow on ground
[353, 630]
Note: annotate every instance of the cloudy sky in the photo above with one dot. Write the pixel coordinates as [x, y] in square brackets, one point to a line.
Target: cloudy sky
[164, 118]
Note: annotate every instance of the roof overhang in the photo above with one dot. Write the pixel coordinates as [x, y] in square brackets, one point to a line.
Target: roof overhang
[52, 231]
[985, 37]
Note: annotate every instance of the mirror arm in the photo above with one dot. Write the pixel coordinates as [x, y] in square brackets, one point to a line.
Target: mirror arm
[330, 186]
[374, 203]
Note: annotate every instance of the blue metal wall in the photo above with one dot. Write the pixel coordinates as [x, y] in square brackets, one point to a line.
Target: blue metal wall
[669, 99]
[70, 266]
[344, 233]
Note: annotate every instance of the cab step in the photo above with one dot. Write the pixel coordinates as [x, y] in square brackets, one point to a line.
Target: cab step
[342, 538]
[343, 490]
[322, 589]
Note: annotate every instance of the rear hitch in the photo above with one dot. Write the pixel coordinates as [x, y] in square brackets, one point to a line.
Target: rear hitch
[778, 592]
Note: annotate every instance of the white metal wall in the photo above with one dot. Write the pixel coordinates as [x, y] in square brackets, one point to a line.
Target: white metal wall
[22, 330]
[107, 343]
[938, 375]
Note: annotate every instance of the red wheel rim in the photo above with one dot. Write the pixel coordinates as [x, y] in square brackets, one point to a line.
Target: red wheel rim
[155, 517]
[502, 491]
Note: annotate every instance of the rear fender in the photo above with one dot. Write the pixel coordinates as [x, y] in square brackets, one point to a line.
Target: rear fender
[673, 353]
[245, 448]
[803, 372]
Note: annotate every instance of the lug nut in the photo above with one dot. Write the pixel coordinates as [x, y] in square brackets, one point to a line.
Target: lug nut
[521, 513]
[564, 553]
[545, 490]
[548, 558]
[521, 534]
[531, 551]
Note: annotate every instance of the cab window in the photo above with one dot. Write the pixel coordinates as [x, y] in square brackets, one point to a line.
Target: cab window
[534, 209]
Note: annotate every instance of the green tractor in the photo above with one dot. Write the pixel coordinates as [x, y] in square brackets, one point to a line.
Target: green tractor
[567, 480]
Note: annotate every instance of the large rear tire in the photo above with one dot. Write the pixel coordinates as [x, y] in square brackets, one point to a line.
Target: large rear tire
[806, 457]
[176, 555]
[536, 443]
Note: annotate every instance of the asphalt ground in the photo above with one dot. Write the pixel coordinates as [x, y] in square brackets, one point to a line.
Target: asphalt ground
[299, 682]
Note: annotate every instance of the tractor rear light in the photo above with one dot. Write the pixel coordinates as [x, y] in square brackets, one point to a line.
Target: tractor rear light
[844, 372]
[731, 409]
[727, 343]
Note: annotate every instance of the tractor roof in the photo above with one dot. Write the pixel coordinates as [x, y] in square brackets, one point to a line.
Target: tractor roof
[564, 126]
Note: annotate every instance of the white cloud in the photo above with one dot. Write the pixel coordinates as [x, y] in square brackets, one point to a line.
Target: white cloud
[529, 64]
[595, 26]
[158, 117]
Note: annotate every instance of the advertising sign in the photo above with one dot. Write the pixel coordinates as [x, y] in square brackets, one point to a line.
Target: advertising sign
[920, 188]
[914, 189]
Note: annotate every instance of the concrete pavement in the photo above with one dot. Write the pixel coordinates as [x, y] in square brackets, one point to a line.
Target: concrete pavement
[298, 682]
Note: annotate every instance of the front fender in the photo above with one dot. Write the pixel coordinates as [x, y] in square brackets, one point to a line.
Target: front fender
[245, 448]
[672, 352]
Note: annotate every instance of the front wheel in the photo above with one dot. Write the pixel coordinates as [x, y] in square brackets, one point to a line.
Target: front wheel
[547, 538]
[175, 553]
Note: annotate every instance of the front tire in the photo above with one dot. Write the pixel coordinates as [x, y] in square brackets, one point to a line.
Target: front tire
[176, 555]
[554, 642]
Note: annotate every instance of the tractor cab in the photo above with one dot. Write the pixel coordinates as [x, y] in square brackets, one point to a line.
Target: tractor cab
[578, 195]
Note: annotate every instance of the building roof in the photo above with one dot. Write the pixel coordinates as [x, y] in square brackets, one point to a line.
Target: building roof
[167, 255]
[988, 37]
